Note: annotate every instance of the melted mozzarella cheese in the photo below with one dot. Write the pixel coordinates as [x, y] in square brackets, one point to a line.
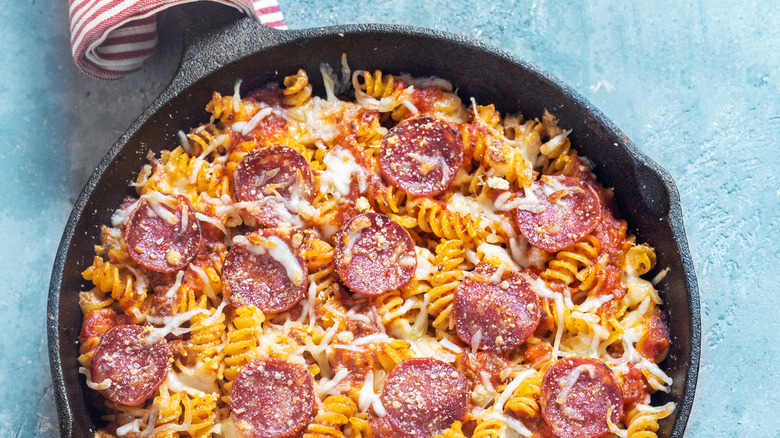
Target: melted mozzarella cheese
[331, 386]
[197, 384]
[156, 200]
[122, 215]
[372, 339]
[184, 142]
[541, 289]
[515, 428]
[237, 95]
[554, 143]
[341, 170]
[247, 127]
[593, 303]
[425, 268]
[172, 324]
[317, 119]
[498, 183]
[508, 201]
[367, 397]
[176, 285]
[497, 253]
[141, 281]
[133, 426]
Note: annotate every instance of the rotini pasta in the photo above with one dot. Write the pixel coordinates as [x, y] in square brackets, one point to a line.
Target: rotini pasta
[392, 264]
[334, 414]
[242, 340]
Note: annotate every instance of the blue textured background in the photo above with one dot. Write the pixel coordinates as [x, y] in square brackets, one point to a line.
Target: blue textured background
[695, 86]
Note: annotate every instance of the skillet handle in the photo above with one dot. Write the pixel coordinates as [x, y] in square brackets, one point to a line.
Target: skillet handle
[214, 35]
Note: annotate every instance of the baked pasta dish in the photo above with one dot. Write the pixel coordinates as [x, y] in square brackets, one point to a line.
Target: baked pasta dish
[386, 260]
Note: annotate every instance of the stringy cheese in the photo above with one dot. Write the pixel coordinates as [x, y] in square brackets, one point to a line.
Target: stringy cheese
[176, 285]
[105, 384]
[331, 386]
[172, 324]
[498, 406]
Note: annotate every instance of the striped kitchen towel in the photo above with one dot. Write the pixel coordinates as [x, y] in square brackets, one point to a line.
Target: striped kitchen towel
[111, 38]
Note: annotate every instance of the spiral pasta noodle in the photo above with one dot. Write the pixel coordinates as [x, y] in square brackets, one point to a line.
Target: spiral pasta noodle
[444, 282]
[525, 399]
[434, 218]
[490, 428]
[334, 414]
[642, 421]
[297, 89]
[202, 412]
[109, 278]
[557, 150]
[205, 343]
[574, 263]
[454, 431]
[377, 86]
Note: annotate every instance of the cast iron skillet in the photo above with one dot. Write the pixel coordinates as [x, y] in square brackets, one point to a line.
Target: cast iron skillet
[221, 47]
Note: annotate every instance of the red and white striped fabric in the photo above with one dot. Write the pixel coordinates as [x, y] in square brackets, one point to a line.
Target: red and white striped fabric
[111, 38]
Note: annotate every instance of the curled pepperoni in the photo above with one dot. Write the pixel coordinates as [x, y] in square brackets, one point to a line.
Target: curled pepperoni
[278, 178]
[424, 396]
[162, 233]
[421, 155]
[578, 393]
[272, 398]
[264, 270]
[496, 314]
[134, 363]
[567, 210]
[374, 254]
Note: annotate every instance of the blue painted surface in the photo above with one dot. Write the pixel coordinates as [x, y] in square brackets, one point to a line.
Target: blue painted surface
[695, 86]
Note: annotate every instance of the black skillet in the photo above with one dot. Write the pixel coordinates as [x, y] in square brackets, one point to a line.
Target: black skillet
[221, 47]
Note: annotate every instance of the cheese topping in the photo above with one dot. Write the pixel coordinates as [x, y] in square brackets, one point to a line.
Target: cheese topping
[349, 342]
[341, 170]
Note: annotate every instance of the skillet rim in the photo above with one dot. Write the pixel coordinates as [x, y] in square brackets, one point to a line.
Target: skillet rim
[195, 66]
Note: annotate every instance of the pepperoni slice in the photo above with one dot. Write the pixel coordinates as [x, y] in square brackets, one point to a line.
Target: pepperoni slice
[496, 314]
[263, 270]
[374, 254]
[421, 155]
[272, 398]
[423, 397]
[162, 233]
[135, 364]
[578, 393]
[278, 178]
[567, 210]
[380, 428]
